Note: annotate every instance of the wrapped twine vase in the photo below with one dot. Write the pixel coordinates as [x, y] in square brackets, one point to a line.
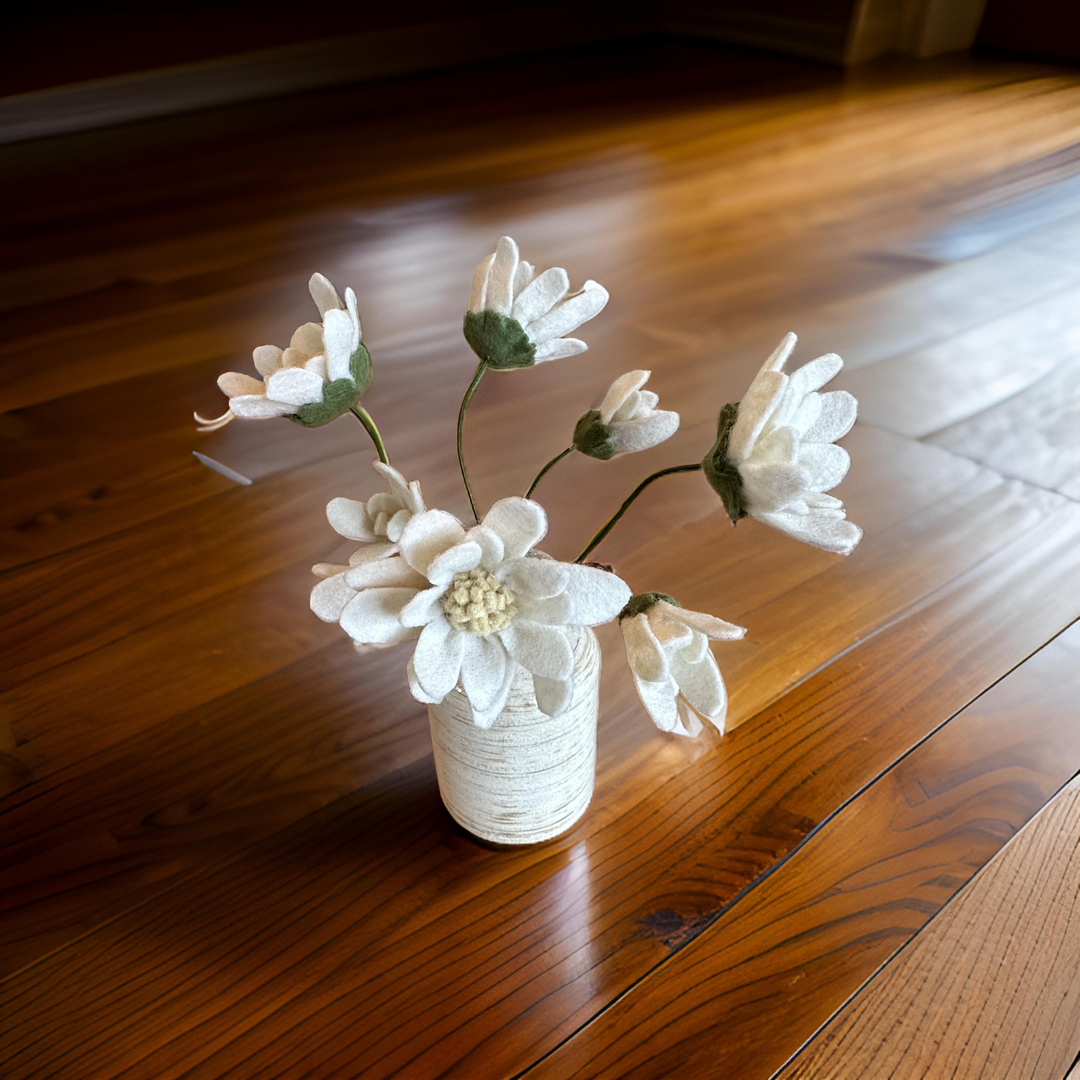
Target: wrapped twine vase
[529, 777]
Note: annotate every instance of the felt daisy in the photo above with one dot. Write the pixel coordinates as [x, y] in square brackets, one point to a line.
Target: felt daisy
[626, 422]
[674, 669]
[378, 524]
[481, 603]
[774, 457]
[516, 318]
[322, 374]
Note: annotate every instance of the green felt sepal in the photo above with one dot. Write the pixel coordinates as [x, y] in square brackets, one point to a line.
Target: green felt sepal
[340, 395]
[501, 342]
[721, 473]
[641, 603]
[593, 438]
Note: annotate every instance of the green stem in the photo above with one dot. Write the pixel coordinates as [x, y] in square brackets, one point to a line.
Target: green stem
[480, 369]
[364, 417]
[543, 472]
[614, 519]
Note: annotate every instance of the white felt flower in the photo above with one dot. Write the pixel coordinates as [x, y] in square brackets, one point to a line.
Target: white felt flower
[481, 603]
[384, 516]
[774, 457]
[626, 422]
[674, 669]
[322, 373]
[378, 524]
[516, 318]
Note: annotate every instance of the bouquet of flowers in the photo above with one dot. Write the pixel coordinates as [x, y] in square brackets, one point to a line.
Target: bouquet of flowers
[481, 600]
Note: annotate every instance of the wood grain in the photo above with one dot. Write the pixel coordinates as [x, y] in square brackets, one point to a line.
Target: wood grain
[383, 937]
[222, 849]
[991, 989]
[829, 917]
[49, 832]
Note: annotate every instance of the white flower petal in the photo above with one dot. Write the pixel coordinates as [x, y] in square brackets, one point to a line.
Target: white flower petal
[235, 384]
[814, 375]
[558, 348]
[396, 525]
[779, 356]
[437, 658]
[370, 552]
[540, 296]
[593, 596]
[519, 523]
[463, 556]
[490, 544]
[330, 596]
[688, 725]
[772, 487]
[702, 686]
[806, 414]
[354, 315]
[672, 635]
[295, 386]
[267, 359]
[378, 573]
[819, 502]
[755, 409]
[254, 406]
[324, 294]
[428, 535]
[543, 650]
[340, 339]
[423, 607]
[486, 717]
[777, 446]
[534, 578]
[838, 412]
[632, 436]
[478, 295]
[307, 341]
[328, 570]
[552, 695]
[349, 518]
[500, 285]
[317, 364]
[826, 464]
[709, 625]
[399, 487]
[416, 689]
[569, 314]
[619, 391]
[523, 277]
[827, 532]
[643, 652]
[373, 616]
[483, 670]
[659, 699]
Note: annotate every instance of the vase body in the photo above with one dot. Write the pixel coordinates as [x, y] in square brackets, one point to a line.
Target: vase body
[529, 777]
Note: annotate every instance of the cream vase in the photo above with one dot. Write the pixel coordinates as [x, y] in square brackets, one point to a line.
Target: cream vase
[529, 777]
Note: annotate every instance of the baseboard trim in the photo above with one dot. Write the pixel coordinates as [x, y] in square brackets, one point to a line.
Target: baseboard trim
[311, 65]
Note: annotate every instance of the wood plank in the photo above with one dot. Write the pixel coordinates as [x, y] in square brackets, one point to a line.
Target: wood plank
[408, 944]
[785, 957]
[920, 392]
[1034, 435]
[991, 988]
[184, 330]
[222, 837]
[136, 699]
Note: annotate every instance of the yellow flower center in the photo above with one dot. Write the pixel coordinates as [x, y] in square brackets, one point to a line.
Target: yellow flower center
[478, 603]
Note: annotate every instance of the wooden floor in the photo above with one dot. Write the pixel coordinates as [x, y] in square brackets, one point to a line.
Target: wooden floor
[222, 846]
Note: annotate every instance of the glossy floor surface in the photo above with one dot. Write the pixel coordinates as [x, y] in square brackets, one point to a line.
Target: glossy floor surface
[222, 846]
